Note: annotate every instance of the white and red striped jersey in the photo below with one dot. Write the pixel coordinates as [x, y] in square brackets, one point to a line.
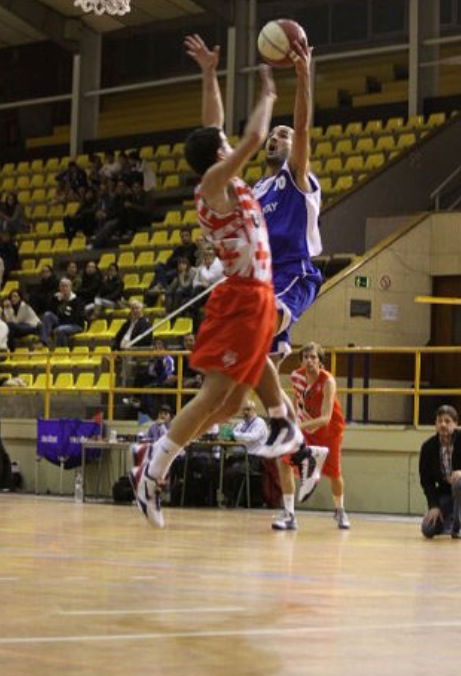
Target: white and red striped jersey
[240, 237]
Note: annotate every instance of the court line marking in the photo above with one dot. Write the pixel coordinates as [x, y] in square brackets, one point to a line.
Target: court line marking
[152, 611]
[289, 631]
[143, 577]
[9, 579]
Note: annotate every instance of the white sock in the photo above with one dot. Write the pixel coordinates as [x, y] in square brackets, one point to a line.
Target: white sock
[289, 502]
[278, 411]
[339, 501]
[165, 451]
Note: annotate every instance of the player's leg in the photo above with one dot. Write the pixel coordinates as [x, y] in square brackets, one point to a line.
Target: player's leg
[332, 469]
[286, 520]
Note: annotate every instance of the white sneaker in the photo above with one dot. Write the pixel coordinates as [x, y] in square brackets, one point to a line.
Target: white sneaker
[311, 471]
[147, 491]
[284, 437]
[286, 521]
[342, 519]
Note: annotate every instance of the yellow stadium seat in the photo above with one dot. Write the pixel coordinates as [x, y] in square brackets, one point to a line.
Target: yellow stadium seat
[175, 238]
[146, 153]
[51, 194]
[385, 143]
[40, 211]
[167, 166]
[252, 174]
[85, 381]
[364, 145]
[171, 181]
[164, 329]
[60, 355]
[333, 165]
[8, 184]
[115, 326]
[57, 228]
[44, 261]
[56, 211]
[394, 124]
[178, 149]
[316, 132]
[39, 356]
[141, 239]
[159, 238]
[323, 149]
[52, 164]
[126, 260]
[71, 208]
[354, 163]
[105, 260]
[163, 150]
[436, 119]
[43, 247]
[83, 161]
[373, 127]
[415, 122]
[196, 232]
[27, 266]
[189, 217]
[343, 147]
[23, 167]
[183, 167]
[36, 166]
[374, 161]
[37, 181]
[353, 129]
[40, 381]
[145, 259]
[64, 381]
[22, 183]
[406, 140]
[97, 327]
[131, 281]
[28, 378]
[24, 196]
[42, 228]
[182, 326]
[60, 246]
[8, 169]
[77, 244]
[163, 256]
[343, 183]
[9, 286]
[103, 382]
[63, 162]
[39, 195]
[26, 247]
[146, 280]
[50, 180]
[80, 356]
[325, 184]
[333, 131]
[172, 218]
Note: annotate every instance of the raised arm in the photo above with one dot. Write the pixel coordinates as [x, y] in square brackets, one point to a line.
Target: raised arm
[257, 127]
[212, 105]
[300, 154]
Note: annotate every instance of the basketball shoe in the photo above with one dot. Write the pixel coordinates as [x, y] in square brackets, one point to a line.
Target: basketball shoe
[342, 519]
[139, 452]
[283, 437]
[310, 470]
[286, 521]
[147, 491]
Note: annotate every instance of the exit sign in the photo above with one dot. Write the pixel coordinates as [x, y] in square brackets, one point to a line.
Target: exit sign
[362, 282]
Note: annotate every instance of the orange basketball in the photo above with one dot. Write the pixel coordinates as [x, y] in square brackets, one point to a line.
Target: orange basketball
[275, 42]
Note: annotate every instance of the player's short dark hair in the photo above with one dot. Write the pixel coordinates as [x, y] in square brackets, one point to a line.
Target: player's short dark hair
[201, 148]
[446, 409]
[313, 347]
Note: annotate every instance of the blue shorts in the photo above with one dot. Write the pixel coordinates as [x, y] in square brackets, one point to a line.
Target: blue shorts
[294, 293]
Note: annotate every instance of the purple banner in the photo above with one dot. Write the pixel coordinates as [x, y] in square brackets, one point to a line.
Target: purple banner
[61, 441]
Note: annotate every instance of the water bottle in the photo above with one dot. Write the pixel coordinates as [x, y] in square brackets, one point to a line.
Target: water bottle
[78, 486]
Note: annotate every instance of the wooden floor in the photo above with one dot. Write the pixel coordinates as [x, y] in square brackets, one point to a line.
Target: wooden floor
[91, 589]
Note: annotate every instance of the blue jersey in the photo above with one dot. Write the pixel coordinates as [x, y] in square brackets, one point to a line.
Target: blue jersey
[292, 219]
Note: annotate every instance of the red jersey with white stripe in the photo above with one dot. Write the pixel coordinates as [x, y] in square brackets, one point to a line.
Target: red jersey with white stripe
[309, 399]
[240, 237]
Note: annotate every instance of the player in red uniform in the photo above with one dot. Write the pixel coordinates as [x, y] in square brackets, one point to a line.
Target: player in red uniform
[234, 339]
[322, 422]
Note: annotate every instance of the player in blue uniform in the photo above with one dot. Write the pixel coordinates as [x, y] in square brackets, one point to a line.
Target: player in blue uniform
[290, 198]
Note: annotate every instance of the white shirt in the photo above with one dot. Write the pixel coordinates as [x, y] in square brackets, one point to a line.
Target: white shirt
[252, 432]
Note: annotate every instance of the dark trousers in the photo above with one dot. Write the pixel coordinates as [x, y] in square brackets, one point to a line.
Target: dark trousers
[450, 506]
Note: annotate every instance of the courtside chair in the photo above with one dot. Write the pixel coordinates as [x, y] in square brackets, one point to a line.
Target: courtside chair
[325, 184]
[77, 244]
[83, 161]
[38, 357]
[414, 122]
[97, 327]
[71, 208]
[63, 163]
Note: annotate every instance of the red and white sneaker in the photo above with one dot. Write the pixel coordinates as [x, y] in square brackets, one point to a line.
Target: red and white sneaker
[283, 437]
[147, 491]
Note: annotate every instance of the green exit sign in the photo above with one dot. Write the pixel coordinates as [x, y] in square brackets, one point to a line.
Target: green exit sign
[362, 282]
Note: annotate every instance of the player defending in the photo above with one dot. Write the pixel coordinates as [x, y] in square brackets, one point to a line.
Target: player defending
[235, 337]
[322, 422]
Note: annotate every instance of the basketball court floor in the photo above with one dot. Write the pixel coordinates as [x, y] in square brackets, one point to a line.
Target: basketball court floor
[92, 589]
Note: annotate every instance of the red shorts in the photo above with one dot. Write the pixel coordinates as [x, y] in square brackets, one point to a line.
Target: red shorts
[236, 334]
[333, 441]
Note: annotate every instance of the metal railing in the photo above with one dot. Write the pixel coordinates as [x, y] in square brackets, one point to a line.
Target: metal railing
[437, 194]
[416, 390]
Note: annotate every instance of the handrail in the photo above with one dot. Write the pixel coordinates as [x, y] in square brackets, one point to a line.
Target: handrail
[436, 194]
[415, 390]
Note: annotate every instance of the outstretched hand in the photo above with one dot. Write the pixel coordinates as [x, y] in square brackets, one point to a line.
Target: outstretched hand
[302, 60]
[207, 59]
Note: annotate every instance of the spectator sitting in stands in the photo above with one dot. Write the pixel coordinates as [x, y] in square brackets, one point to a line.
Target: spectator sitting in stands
[73, 182]
[138, 209]
[165, 272]
[73, 274]
[85, 217]
[94, 172]
[12, 216]
[3, 334]
[42, 294]
[64, 318]
[134, 326]
[440, 475]
[179, 290]
[160, 426]
[113, 221]
[91, 283]
[9, 253]
[134, 171]
[208, 272]
[109, 294]
[111, 167]
[20, 317]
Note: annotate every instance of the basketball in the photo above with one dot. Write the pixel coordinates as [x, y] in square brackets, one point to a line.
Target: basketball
[275, 42]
